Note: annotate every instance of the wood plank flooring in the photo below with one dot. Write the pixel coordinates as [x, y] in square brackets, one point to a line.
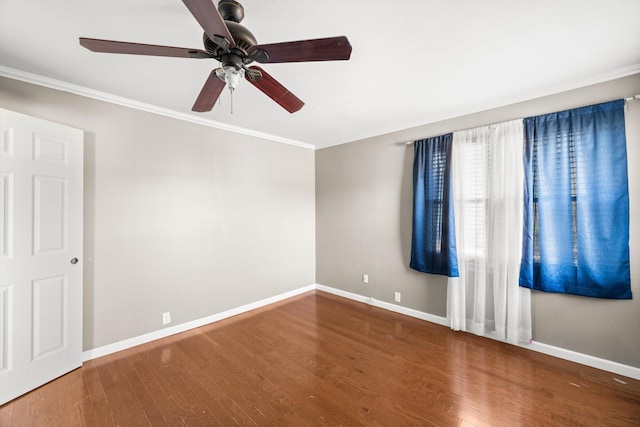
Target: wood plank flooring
[318, 359]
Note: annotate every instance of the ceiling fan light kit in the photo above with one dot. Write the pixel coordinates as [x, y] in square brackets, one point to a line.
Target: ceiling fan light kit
[235, 47]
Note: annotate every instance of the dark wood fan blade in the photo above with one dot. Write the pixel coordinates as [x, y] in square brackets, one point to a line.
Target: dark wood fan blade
[209, 19]
[327, 49]
[274, 90]
[209, 94]
[111, 46]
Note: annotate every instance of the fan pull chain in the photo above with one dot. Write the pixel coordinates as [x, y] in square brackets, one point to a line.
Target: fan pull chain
[231, 89]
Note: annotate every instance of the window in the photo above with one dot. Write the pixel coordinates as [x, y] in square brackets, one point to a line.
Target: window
[435, 199]
[576, 233]
[562, 142]
[433, 248]
[475, 158]
[488, 180]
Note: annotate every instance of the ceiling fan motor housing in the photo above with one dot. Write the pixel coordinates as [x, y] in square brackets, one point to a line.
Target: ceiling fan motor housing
[232, 12]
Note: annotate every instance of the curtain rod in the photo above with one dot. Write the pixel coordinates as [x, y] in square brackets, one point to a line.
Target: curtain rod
[631, 98]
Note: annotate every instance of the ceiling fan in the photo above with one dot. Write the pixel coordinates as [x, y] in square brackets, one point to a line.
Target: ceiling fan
[235, 48]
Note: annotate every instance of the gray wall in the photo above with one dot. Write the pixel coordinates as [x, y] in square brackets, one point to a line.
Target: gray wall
[179, 217]
[193, 220]
[363, 225]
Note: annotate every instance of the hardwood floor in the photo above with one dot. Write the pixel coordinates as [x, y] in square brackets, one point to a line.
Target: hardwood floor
[318, 359]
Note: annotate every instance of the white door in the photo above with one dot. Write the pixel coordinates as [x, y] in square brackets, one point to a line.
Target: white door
[41, 165]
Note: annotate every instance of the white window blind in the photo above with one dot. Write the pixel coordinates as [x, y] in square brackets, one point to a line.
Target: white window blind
[564, 141]
[476, 157]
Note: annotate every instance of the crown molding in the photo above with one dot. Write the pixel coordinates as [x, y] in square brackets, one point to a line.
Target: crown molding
[63, 86]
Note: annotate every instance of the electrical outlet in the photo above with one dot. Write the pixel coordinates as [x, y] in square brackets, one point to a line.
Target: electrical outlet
[365, 278]
[166, 318]
[397, 297]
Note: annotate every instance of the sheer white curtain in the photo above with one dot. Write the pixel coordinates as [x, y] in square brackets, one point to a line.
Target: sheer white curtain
[487, 168]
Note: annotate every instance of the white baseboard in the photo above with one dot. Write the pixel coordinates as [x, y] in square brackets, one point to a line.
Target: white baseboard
[386, 305]
[584, 359]
[162, 333]
[572, 356]
[344, 294]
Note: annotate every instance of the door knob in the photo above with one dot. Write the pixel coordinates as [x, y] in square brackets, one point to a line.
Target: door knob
[74, 260]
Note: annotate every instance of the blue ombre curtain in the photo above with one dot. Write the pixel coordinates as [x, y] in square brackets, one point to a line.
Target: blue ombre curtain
[433, 241]
[576, 220]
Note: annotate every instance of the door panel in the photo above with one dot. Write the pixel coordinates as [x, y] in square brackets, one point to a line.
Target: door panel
[49, 214]
[48, 149]
[6, 303]
[6, 214]
[41, 226]
[49, 315]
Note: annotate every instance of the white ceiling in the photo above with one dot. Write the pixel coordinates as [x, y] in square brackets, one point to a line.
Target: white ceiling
[413, 62]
